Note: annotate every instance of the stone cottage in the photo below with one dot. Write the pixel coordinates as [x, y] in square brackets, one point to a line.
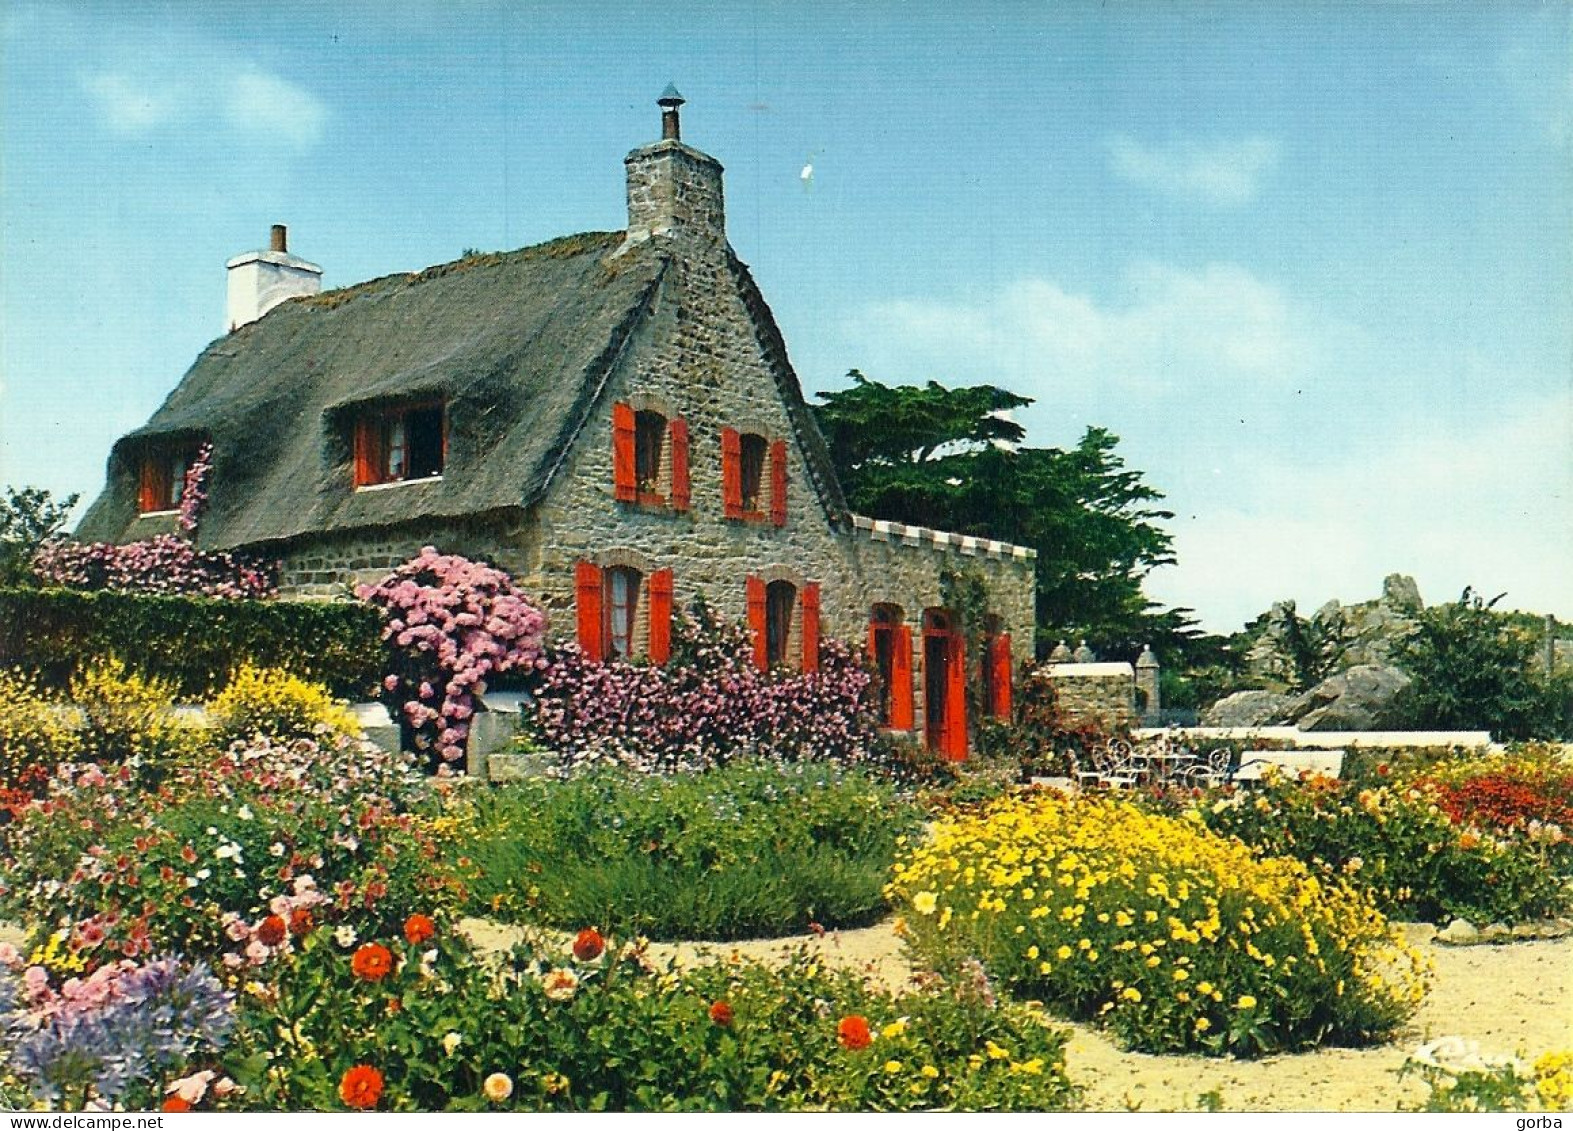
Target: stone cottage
[611, 417]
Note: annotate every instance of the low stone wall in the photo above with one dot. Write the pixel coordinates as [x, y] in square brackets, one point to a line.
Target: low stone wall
[1104, 694]
[1336, 739]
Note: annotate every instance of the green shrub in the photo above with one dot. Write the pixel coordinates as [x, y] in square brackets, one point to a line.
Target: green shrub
[748, 850]
[196, 643]
[35, 735]
[1177, 939]
[549, 1030]
[274, 703]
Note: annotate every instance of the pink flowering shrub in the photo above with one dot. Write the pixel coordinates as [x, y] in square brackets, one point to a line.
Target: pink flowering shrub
[706, 706]
[194, 490]
[164, 564]
[452, 624]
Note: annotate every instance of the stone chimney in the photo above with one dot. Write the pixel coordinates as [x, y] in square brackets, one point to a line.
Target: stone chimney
[260, 280]
[674, 189]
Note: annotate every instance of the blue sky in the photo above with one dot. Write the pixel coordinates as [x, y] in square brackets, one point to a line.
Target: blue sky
[1312, 262]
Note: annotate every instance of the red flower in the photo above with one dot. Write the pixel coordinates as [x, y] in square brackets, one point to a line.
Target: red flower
[372, 962]
[361, 1087]
[272, 930]
[853, 1033]
[721, 1014]
[300, 923]
[174, 1103]
[418, 928]
[588, 945]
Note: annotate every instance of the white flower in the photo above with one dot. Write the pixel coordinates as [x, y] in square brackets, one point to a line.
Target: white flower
[212, 831]
[275, 849]
[191, 1088]
[344, 936]
[451, 1042]
[244, 813]
[228, 852]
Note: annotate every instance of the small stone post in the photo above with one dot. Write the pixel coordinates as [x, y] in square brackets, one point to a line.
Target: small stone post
[1147, 680]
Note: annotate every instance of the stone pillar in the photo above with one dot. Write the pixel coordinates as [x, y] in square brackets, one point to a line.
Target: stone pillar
[1147, 680]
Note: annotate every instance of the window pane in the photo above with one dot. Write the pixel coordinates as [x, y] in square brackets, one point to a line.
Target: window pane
[424, 427]
[622, 600]
[649, 432]
[780, 597]
[397, 449]
[753, 470]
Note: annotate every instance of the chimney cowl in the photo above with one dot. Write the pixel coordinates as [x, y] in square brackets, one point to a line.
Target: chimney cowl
[279, 238]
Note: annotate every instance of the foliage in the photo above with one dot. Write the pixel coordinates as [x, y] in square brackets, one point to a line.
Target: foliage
[1460, 1078]
[35, 734]
[277, 705]
[126, 716]
[1398, 843]
[1473, 669]
[950, 458]
[195, 642]
[164, 564]
[707, 705]
[753, 849]
[1177, 939]
[1041, 738]
[551, 1030]
[194, 491]
[28, 519]
[451, 624]
[109, 1038]
[107, 869]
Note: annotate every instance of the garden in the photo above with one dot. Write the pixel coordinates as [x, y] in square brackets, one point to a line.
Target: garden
[240, 903]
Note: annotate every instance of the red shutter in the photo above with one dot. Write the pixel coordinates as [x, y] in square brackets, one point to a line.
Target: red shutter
[1000, 676]
[954, 741]
[755, 589]
[678, 430]
[731, 473]
[587, 579]
[147, 488]
[660, 616]
[811, 627]
[901, 679]
[778, 482]
[625, 484]
[364, 461]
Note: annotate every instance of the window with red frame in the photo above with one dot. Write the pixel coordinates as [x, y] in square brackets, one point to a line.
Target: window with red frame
[402, 443]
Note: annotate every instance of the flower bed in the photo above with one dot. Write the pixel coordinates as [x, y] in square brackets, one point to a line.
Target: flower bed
[1470, 840]
[1179, 940]
[392, 1025]
[753, 849]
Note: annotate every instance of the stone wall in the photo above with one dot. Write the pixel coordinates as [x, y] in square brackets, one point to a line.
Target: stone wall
[1104, 694]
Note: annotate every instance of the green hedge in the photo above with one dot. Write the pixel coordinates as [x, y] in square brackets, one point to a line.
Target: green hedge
[195, 641]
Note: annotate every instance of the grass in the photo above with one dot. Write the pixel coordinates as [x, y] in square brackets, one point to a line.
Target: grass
[748, 851]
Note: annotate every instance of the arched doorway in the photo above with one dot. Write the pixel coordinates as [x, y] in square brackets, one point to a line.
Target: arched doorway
[944, 685]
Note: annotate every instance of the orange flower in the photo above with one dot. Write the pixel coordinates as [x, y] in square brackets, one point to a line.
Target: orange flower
[175, 1103]
[271, 931]
[372, 962]
[300, 923]
[588, 945]
[721, 1014]
[361, 1087]
[853, 1033]
[418, 928]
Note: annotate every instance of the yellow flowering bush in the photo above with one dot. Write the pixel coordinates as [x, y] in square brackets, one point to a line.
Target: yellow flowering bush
[279, 705]
[35, 735]
[1178, 939]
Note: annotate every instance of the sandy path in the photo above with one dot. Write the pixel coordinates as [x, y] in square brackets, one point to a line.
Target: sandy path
[1513, 998]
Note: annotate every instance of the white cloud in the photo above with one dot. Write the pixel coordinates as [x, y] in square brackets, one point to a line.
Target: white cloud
[132, 104]
[203, 86]
[1222, 173]
[265, 104]
[1217, 324]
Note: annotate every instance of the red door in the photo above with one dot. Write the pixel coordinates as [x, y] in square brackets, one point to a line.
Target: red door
[944, 686]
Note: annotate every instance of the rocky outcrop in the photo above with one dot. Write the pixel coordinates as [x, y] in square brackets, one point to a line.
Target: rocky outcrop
[1338, 636]
[1247, 709]
[1362, 698]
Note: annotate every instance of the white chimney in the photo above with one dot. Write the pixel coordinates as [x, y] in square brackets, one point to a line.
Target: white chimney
[260, 280]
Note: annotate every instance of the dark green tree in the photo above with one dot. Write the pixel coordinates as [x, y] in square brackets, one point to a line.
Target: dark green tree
[950, 458]
[28, 519]
[1474, 668]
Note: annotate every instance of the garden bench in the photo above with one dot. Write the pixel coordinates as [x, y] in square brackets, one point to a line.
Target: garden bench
[1290, 763]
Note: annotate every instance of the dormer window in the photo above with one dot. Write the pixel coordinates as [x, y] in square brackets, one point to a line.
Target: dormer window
[394, 445]
[162, 478]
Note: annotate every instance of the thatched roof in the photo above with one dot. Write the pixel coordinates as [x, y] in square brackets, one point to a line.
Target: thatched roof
[517, 344]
